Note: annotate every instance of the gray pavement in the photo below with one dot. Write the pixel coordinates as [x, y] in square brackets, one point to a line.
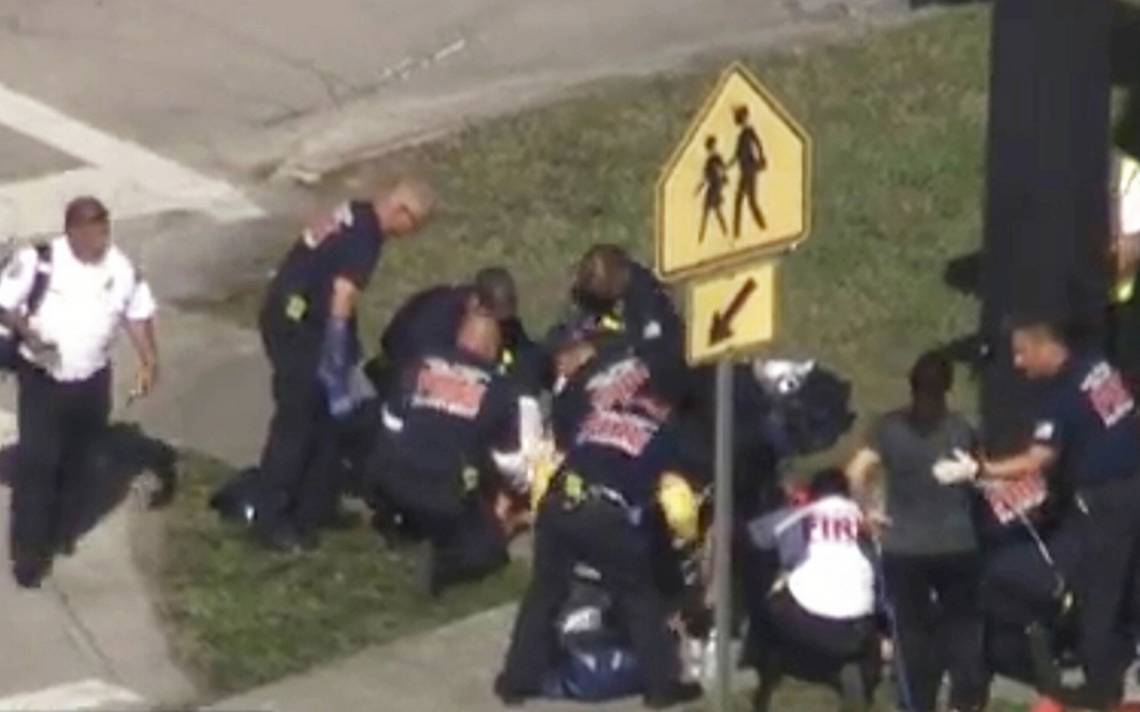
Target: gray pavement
[253, 86]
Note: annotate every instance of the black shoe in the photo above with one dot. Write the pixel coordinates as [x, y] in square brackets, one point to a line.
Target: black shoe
[681, 693]
[507, 695]
[30, 574]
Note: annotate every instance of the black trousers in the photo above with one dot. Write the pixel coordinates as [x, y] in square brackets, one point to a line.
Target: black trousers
[1102, 576]
[939, 624]
[467, 542]
[296, 485]
[600, 535]
[813, 648]
[60, 426]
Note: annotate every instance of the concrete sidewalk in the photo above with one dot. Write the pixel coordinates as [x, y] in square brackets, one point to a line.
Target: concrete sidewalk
[90, 637]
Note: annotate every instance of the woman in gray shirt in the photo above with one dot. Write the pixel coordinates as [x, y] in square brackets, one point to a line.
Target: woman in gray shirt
[930, 550]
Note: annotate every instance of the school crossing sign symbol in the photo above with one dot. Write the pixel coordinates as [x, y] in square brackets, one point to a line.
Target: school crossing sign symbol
[737, 185]
[735, 193]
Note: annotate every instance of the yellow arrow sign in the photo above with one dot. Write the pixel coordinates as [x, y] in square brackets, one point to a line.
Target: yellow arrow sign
[738, 184]
[730, 312]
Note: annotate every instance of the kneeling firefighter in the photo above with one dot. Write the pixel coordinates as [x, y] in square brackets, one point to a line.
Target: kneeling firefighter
[449, 413]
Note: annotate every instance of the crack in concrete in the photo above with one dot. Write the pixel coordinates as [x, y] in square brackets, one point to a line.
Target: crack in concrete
[84, 637]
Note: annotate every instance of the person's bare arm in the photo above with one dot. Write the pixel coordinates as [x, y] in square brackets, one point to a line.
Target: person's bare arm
[142, 335]
[343, 298]
[862, 472]
[1036, 459]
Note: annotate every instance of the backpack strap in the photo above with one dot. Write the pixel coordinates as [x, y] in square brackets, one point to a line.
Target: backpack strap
[42, 278]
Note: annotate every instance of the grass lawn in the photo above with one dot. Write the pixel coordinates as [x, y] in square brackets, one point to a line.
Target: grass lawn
[242, 617]
[898, 124]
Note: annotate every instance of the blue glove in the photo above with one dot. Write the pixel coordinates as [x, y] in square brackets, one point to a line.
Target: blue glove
[333, 368]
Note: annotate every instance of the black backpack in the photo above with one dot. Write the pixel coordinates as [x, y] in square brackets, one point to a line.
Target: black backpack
[10, 358]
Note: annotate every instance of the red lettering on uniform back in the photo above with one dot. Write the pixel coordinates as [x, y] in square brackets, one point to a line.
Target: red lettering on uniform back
[455, 390]
[833, 528]
[628, 433]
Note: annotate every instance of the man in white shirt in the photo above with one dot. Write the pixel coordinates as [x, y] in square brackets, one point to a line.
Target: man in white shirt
[65, 375]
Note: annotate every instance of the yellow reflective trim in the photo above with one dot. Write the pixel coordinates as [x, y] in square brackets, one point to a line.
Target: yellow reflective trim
[610, 323]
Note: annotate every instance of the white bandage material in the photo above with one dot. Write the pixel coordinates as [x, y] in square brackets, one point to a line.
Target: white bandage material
[958, 468]
[515, 466]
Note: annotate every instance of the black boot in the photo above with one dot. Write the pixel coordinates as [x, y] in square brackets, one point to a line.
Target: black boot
[30, 573]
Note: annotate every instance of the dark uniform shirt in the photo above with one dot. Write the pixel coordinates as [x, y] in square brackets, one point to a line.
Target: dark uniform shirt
[430, 319]
[427, 321]
[453, 409]
[296, 308]
[625, 449]
[1090, 419]
[616, 376]
[644, 317]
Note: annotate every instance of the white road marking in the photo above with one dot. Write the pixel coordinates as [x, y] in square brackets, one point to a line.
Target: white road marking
[133, 181]
[84, 695]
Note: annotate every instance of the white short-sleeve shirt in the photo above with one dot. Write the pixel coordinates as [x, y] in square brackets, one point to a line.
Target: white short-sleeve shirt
[82, 308]
[834, 579]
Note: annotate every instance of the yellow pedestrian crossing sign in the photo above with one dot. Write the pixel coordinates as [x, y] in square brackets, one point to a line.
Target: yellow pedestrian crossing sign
[738, 184]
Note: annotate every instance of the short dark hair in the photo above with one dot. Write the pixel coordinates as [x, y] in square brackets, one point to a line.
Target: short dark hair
[495, 289]
[84, 210]
[602, 272]
[932, 374]
[829, 481]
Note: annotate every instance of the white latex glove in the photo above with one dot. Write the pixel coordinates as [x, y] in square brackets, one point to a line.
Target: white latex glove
[956, 469]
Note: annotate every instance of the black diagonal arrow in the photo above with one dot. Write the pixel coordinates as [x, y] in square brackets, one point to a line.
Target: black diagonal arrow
[722, 321]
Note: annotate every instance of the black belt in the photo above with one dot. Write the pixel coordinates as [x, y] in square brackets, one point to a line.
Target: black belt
[574, 492]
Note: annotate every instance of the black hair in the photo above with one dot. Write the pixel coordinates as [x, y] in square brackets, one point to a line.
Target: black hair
[829, 481]
[495, 289]
[932, 374]
[85, 210]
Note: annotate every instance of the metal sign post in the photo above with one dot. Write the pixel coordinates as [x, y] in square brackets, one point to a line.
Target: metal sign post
[750, 161]
[722, 563]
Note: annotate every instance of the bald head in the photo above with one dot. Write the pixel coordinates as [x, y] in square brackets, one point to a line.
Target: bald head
[403, 209]
[603, 275]
[479, 336]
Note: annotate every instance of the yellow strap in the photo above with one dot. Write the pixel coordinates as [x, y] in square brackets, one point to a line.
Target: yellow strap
[610, 323]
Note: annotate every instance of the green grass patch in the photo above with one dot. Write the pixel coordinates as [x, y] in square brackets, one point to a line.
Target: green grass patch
[242, 617]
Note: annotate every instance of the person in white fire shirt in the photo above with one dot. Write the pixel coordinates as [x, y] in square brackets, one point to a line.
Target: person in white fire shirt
[62, 303]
